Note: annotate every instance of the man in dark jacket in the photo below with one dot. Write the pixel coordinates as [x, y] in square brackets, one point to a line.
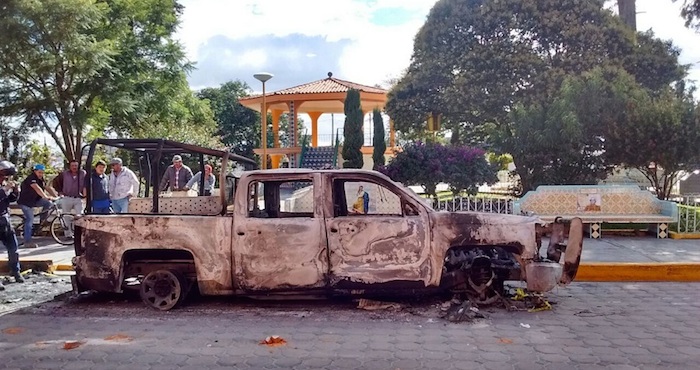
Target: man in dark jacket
[100, 189]
[8, 194]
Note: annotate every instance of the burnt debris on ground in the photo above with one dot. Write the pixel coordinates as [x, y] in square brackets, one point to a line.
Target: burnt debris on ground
[38, 287]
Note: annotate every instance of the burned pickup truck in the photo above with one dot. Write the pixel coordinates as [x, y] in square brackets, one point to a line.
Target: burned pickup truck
[302, 232]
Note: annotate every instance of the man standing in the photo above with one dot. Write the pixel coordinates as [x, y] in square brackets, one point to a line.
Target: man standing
[176, 177]
[70, 184]
[8, 194]
[32, 195]
[100, 189]
[209, 180]
[123, 185]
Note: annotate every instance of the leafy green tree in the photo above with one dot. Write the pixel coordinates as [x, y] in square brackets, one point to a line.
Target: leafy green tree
[354, 137]
[379, 140]
[659, 136]
[691, 13]
[69, 66]
[562, 141]
[35, 153]
[474, 61]
[238, 126]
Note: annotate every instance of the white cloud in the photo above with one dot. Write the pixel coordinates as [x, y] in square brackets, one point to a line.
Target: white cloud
[255, 57]
[374, 53]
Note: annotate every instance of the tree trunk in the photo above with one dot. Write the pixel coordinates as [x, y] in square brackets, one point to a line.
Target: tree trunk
[628, 12]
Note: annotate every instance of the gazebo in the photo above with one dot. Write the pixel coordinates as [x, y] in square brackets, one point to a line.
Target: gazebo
[315, 99]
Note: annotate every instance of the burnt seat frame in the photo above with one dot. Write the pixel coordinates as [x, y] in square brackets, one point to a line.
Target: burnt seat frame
[153, 150]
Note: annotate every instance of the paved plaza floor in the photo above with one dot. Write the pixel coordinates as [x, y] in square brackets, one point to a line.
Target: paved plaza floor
[593, 326]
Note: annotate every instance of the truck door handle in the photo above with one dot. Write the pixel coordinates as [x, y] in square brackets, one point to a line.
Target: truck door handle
[334, 230]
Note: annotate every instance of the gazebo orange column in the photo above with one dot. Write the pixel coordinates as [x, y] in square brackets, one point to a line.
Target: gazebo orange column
[314, 127]
[276, 114]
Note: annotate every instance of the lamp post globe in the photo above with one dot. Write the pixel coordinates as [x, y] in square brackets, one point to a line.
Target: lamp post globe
[263, 77]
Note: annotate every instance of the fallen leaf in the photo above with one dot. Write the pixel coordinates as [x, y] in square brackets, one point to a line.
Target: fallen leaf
[119, 338]
[73, 344]
[274, 341]
[505, 341]
[13, 330]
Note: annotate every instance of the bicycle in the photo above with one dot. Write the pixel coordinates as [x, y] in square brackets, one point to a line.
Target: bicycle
[55, 219]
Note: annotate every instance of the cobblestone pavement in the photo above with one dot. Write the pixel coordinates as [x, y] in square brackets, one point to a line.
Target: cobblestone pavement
[605, 325]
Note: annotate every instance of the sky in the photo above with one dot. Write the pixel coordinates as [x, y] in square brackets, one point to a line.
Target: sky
[364, 41]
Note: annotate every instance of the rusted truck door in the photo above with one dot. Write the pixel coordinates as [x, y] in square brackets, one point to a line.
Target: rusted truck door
[279, 236]
[376, 234]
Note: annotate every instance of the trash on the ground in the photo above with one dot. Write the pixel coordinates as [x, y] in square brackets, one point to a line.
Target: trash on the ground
[460, 311]
[71, 344]
[12, 300]
[519, 294]
[13, 330]
[505, 341]
[371, 305]
[526, 326]
[119, 338]
[274, 341]
[532, 302]
[540, 304]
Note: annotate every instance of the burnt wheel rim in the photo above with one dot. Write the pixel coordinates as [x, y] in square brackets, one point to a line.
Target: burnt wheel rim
[161, 290]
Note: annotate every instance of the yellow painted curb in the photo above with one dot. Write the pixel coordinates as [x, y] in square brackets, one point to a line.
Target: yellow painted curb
[675, 235]
[640, 272]
[30, 264]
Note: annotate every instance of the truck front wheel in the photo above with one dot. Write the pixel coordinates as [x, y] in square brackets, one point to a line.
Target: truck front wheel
[163, 289]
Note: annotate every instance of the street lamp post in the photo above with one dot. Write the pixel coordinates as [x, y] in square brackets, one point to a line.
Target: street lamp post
[263, 77]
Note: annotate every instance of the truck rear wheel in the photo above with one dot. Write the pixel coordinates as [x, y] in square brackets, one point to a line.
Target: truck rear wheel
[163, 289]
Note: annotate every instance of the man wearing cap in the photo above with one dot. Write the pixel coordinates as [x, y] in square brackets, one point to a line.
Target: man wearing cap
[123, 185]
[33, 194]
[176, 177]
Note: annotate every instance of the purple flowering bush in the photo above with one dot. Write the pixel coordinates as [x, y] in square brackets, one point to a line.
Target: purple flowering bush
[428, 164]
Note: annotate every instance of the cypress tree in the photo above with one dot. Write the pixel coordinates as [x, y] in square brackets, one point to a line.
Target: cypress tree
[379, 141]
[352, 131]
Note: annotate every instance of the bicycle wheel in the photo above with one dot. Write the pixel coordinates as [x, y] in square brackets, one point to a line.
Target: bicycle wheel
[59, 230]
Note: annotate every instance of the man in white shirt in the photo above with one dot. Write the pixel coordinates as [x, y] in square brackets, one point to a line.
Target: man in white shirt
[123, 185]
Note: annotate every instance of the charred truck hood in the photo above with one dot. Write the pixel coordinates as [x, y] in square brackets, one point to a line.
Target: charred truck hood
[517, 234]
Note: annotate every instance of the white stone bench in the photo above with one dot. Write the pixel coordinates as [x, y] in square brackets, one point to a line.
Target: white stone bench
[598, 204]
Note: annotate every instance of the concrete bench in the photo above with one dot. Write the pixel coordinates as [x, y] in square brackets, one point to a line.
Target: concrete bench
[598, 204]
